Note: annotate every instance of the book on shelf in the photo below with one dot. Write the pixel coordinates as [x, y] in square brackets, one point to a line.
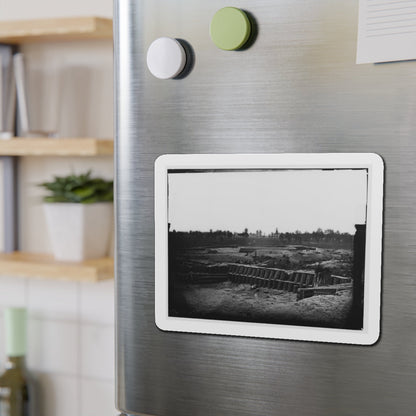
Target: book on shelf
[7, 92]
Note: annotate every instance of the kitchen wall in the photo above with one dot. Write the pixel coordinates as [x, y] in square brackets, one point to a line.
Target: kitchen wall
[71, 335]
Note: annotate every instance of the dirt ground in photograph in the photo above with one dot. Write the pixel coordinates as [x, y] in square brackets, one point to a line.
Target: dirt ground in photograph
[249, 303]
[288, 257]
[245, 302]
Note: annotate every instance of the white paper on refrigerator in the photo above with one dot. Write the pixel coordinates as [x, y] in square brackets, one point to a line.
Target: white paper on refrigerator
[386, 31]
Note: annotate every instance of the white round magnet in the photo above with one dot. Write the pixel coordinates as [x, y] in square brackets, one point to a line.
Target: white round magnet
[166, 58]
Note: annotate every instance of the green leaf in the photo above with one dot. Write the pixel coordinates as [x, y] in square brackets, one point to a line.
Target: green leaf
[55, 199]
[84, 192]
[78, 188]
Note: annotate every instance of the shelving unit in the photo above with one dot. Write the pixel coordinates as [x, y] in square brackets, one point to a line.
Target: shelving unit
[30, 265]
[56, 147]
[43, 265]
[41, 30]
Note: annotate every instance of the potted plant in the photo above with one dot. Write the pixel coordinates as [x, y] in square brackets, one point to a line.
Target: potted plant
[79, 216]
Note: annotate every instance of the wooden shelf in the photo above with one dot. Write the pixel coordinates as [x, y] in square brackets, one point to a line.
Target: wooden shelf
[39, 30]
[19, 146]
[44, 266]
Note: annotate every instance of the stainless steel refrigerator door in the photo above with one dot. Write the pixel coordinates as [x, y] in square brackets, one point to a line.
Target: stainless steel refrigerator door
[297, 89]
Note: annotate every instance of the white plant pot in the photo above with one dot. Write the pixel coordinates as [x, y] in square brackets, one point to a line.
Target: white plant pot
[79, 231]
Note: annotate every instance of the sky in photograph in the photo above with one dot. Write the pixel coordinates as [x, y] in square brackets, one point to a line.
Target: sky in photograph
[303, 200]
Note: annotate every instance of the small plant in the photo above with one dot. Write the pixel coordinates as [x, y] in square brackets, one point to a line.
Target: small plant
[82, 189]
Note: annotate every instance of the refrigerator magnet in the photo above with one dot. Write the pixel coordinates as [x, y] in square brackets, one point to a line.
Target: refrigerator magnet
[284, 246]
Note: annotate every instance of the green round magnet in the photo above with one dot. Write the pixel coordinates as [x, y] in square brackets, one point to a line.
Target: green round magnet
[230, 28]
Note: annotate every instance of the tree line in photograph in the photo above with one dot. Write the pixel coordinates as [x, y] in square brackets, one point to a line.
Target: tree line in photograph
[317, 238]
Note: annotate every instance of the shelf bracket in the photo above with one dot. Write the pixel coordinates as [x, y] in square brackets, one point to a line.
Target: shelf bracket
[10, 203]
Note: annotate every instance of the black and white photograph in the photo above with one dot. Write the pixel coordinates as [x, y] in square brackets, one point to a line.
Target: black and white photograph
[284, 247]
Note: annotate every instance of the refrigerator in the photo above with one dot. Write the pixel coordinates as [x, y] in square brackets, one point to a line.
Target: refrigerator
[234, 123]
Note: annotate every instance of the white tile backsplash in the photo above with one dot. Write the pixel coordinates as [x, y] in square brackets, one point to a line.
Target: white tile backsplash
[97, 351]
[12, 292]
[54, 346]
[97, 302]
[97, 398]
[53, 299]
[70, 343]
